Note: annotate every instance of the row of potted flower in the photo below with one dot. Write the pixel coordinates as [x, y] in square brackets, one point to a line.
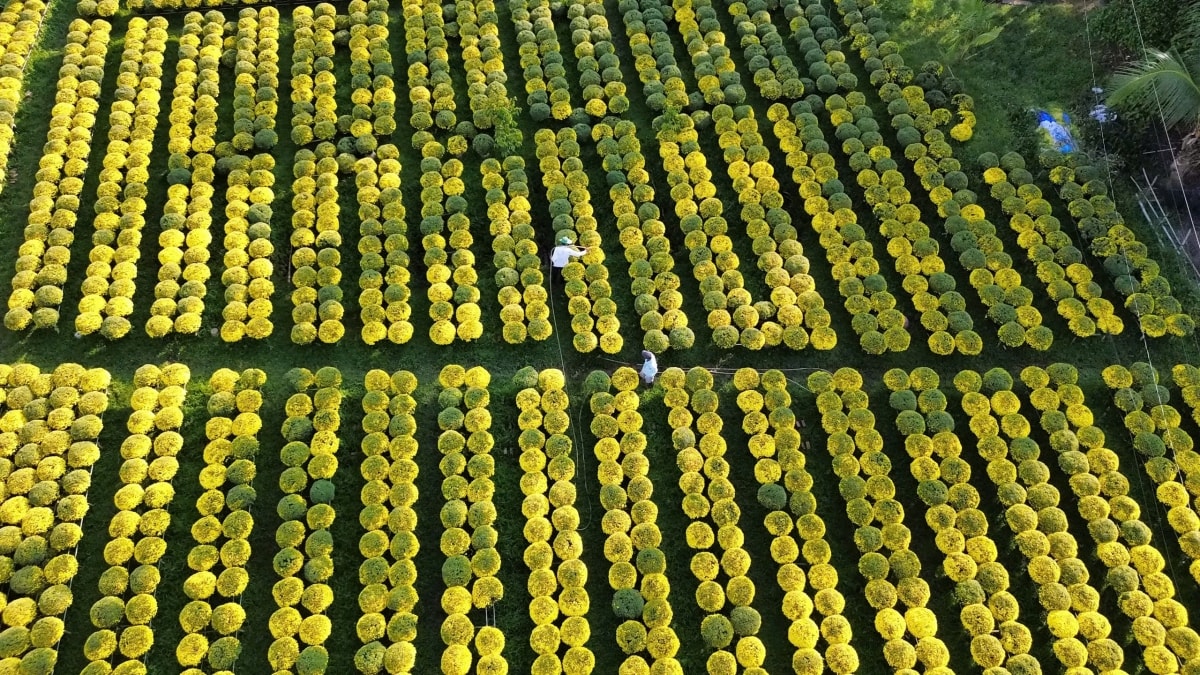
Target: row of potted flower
[185, 226]
[388, 624]
[120, 204]
[49, 487]
[137, 531]
[42, 258]
[249, 194]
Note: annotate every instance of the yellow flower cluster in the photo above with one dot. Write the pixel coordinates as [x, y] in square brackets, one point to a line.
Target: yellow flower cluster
[1136, 567]
[700, 213]
[317, 299]
[774, 73]
[872, 308]
[655, 286]
[794, 302]
[1169, 450]
[248, 248]
[430, 87]
[712, 62]
[45, 500]
[596, 57]
[469, 535]
[41, 265]
[371, 75]
[20, 25]
[785, 484]
[314, 105]
[121, 196]
[304, 562]
[222, 531]
[557, 573]
[1059, 263]
[383, 244]
[123, 614]
[1039, 525]
[547, 92]
[990, 613]
[637, 571]
[973, 237]
[388, 625]
[453, 291]
[661, 88]
[891, 570]
[187, 215]
[725, 593]
[593, 311]
[479, 35]
[1135, 274]
[517, 262]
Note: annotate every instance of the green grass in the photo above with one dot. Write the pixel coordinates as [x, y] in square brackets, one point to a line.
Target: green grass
[1040, 60]
[1036, 62]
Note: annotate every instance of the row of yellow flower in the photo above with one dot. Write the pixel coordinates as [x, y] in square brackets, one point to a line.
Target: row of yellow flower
[430, 87]
[1135, 274]
[304, 563]
[917, 255]
[712, 61]
[634, 541]
[374, 94]
[45, 500]
[20, 26]
[655, 285]
[477, 27]
[773, 71]
[701, 217]
[1039, 525]
[314, 105]
[725, 593]
[123, 614]
[1049, 247]
[383, 243]
[654, 57]
[121, 196]
[890, 568]
[250, 194]
[222, 531]
[596, 58]
[1136, 568]
[785, 491]
[846, 248]
[453, 291]
[981, 252]
[1171, 458]
[519, 275]
[388, 626]
[593, 311]
[547, 92]
[187, 216]
[557, 573]
[317, 308]
[794, 302]
[990, 613]
[41, 264]
[468, 517]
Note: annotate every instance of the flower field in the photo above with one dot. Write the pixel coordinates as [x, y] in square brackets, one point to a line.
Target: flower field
[756, 580]
[919, 411]
[876, 152]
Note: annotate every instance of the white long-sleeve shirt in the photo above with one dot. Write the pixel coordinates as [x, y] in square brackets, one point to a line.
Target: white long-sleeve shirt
[649, 370]
[561, 255]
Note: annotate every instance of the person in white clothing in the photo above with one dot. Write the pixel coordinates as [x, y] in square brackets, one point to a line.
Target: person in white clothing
[561, 255]
[649, 367]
